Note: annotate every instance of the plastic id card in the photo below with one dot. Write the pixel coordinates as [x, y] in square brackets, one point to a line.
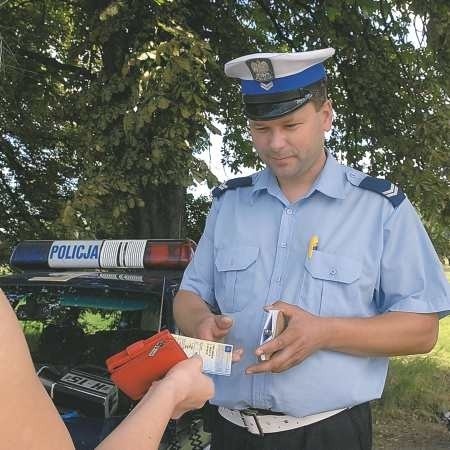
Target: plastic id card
[216, 356]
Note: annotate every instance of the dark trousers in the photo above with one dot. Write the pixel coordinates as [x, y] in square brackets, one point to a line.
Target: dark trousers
[349, 430]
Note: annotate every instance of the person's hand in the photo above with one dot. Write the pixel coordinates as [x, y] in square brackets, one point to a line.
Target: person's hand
[190, 386]
[215, 328]
[303, 336]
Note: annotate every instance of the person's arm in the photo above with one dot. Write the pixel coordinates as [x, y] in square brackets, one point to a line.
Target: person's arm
[191, 306]
[27, 416]
[390, 334]
[411, 291]
[29, 419]
[194, 318]
[183, 388]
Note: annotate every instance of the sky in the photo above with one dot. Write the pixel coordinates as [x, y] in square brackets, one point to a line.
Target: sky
[213, 157]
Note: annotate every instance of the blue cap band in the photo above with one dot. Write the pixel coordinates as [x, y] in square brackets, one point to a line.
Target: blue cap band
[284, 84]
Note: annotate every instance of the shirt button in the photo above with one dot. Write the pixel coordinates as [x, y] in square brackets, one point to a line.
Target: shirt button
[278, 280]
[289, 211]
[333, 272]
[353, 174]
[283, 245]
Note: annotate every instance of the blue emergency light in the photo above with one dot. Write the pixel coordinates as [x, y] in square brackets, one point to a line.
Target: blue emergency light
[103, 254]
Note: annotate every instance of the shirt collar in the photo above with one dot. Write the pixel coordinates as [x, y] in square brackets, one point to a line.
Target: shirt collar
[266, 180]
[331, 181]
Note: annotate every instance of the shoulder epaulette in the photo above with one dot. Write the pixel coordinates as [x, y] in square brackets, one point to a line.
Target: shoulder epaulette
[232, 184]
[383, 187]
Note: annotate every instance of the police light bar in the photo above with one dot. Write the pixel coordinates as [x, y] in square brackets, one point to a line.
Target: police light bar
[103, 254]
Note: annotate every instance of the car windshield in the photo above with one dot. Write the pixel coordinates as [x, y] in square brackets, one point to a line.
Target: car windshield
[68, 329]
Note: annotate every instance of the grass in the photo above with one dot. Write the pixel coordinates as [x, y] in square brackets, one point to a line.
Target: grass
[417, 391]
[420, 385]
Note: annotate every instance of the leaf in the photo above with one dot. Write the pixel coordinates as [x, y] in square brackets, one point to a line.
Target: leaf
[163, 103]
[184, 63]
[185, 112]
[143, 56]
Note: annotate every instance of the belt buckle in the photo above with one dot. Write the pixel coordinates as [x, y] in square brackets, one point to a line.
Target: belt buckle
[251, 413]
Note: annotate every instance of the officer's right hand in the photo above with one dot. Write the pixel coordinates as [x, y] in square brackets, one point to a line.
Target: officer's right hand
[214, 328]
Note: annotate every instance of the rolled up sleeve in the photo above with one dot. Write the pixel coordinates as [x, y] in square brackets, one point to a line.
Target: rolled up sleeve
[411, 276]
[199, 275]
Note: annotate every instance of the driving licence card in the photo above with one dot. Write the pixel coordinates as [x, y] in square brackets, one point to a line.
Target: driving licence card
[216, 356]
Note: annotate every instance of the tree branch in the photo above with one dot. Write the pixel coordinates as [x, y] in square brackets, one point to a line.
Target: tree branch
[279, 30]
[53, 63]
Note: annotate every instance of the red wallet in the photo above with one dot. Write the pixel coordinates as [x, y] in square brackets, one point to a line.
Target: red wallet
[134, 369]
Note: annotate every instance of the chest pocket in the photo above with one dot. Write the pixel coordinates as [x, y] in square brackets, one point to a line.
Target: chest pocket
[330, 285]
[235, 277]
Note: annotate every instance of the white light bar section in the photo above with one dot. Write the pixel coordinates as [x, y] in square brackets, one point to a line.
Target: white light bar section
[123, 253]
[83, 254]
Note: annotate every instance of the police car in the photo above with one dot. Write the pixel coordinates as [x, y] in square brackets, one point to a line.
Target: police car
[80, 302]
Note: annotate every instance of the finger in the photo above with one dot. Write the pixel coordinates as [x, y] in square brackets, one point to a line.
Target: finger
[237, 354]
[223, 322]
[214, 334]
[287, 358]
[274, 345]
[220, 333]
[197, 361]
[279, 304]
[261, 367]
[206, 335]
[287, 308]
[278, 362]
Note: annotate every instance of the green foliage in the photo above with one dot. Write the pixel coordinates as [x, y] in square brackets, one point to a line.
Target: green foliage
[154, 104]
[196, 213]
[92, 322]
[105, 104]
[32, 330]
[4, 270]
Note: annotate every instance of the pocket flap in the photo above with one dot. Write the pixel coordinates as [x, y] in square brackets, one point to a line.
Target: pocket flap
[236, 258]
[327, 266]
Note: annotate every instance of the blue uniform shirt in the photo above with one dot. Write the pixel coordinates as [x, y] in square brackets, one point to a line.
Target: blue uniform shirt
[373, 256]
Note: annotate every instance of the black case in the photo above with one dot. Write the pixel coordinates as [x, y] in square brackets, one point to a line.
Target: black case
[88, 393]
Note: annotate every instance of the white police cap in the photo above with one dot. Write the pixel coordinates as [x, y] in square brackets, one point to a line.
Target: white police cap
[275, 84]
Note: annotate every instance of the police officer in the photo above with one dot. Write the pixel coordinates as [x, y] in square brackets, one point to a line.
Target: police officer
[343, 255]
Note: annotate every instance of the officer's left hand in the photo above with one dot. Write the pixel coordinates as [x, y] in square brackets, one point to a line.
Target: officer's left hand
[303, 336]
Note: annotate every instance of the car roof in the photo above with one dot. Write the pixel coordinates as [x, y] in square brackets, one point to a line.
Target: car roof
[145, 281]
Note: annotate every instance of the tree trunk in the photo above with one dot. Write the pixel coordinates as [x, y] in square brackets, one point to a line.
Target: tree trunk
[163, 214]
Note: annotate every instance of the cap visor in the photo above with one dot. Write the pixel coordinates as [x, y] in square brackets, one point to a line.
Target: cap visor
[269, 111]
